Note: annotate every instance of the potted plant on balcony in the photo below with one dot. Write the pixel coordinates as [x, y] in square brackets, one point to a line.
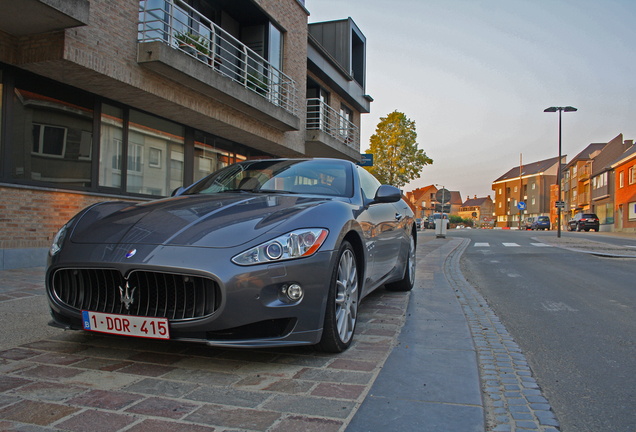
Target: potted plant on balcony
[193, 44]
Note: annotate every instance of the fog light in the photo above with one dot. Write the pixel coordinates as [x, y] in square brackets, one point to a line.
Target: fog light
[294, 292]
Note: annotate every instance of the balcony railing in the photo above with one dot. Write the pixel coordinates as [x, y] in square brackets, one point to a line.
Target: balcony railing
[583, 199]
[185, 29]
[584, 173]
[321, 116]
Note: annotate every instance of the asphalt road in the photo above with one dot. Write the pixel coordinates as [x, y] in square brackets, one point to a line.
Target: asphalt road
[572, 315]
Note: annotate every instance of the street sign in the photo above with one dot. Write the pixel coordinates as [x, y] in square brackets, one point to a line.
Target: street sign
[521, 205]
[443, 196]
[367, 160]
[560, 204]
[474, 214]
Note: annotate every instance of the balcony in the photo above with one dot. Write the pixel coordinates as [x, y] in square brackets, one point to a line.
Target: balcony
[182, 44]
[28, 17]
[584, 173]
[583, 199]
[330, 134]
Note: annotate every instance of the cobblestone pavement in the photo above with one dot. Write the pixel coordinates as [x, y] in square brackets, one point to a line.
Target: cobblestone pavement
[81, 381]
[512, 398]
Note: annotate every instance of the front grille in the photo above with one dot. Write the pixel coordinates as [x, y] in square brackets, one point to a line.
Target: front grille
[151, 294]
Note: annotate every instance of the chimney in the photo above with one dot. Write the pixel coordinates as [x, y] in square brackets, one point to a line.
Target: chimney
[627, 145]
[475, 197]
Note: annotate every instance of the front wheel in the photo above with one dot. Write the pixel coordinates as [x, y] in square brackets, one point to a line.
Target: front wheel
[407, 282]
[342, 303]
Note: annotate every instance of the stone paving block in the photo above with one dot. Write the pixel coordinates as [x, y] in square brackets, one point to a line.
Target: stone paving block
[46, 391]
[161, 387]
[289, 386]
[8, 383]
[310, 406]
[522, 416]
[146, 369]
[105, 400]
[202, 377]
[210, 364]
[100, 380]
[307, 361]
[527, 425]
[18, 354]
[248, 356]
[239, 418]
[50, 372]
[307, 424]
[102, 364]
[162, 407]
[334, 376]
[353, 365]
[7, 400]
[108, 353]
[541, 408]
[39, 413]
[339, 391]
[227, 396]
[379, 332]
[96, 421]
[57, 359]
[157, 358]
[151, 425]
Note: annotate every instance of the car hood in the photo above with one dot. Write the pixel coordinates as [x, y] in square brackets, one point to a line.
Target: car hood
[219, 220]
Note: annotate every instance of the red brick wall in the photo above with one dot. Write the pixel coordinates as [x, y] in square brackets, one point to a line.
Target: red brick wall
[30, 218]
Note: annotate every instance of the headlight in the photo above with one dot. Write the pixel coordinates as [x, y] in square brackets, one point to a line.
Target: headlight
[57, 241]
[296, 244]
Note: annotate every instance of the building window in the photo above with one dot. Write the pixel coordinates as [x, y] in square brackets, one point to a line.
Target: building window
[499, 204]
[632, 175]
[154, 157]
[533, 186]
[515, 188]
[533, 201]
[52, 133]
[110, 149]
[621, 179]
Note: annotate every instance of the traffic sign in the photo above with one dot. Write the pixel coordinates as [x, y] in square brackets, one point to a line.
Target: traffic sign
[367, 160]
[521, 205]
[474, 214]
[560, 204]
[443, 196]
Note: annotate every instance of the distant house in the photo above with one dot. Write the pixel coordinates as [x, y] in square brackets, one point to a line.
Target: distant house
[625, 191]
[422, 201]
[529, 183]
[479, 209]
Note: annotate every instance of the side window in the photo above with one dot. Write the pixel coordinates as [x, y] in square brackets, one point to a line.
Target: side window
[368, 183]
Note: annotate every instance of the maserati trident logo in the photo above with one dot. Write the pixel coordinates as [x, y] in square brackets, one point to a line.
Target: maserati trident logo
[125, 297]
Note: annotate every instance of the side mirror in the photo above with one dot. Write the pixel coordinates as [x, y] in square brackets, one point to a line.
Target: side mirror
[387, 194]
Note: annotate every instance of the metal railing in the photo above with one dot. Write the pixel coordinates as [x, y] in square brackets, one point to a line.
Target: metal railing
[583, 198]
[321, 116]
[185, 29]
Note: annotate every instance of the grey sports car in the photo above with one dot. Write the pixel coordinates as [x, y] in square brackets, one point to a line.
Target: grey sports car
[261, 253]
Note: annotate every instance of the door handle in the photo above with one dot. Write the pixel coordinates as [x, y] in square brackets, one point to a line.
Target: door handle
[398, 216]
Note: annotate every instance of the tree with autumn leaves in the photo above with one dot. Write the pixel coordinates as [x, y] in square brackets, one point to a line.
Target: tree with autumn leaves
[396, 158]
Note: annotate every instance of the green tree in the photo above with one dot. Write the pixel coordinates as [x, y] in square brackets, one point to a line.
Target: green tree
[396, 158]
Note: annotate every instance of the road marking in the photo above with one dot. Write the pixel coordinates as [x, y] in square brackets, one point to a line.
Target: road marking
[482, 245]
[550, 306]
[510, 244]
[540, 245]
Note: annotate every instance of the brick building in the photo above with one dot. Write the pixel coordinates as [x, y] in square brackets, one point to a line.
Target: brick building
[130, 99]
[529, 183]
[625, 191]
[482, 208]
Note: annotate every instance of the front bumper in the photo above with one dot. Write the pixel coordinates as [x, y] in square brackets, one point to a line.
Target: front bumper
[251, 311]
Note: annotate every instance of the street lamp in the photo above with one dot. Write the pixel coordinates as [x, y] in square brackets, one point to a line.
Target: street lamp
[559, 109]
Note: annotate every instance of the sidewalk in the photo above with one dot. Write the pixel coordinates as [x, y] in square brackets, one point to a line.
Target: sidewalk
[434, 359]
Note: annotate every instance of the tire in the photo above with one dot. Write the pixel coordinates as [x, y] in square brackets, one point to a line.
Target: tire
[407, 282]
[341, 312]
[578, 228]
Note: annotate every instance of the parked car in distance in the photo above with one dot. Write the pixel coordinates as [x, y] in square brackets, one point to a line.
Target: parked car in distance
[541, 223]
[429, 222]
[583, 221]
[418, 223]
[527, 223]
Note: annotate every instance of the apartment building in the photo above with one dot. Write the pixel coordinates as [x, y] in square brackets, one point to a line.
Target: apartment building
[624, 168]
[131, 99]
[529, 183]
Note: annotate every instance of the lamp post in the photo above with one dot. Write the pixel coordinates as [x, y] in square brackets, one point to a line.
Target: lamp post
[559, 109]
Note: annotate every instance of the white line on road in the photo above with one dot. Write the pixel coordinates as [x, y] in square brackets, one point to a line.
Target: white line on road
[540, 245]
[510, 244]
[482, 245]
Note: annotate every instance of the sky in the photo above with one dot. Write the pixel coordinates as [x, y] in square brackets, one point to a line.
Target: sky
[476, 75]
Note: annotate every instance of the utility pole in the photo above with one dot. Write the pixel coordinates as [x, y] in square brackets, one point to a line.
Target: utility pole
[520, 186]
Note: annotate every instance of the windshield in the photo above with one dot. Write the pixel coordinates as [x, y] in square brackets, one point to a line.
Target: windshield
[314, 177]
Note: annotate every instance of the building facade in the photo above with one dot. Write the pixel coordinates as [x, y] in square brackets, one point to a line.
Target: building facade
[480, 210]
[529, 183]
[131, 99]
[624, 169]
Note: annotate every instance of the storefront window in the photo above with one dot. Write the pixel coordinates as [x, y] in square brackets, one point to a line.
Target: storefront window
[52, 134]
[155, 155]
[111, 146]
[210, 154]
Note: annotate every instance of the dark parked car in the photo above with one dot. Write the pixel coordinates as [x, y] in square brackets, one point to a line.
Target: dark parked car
[418, 223]
[259, 254]
[540, 223]
[443, 216]
[429, 222]
[583, 221]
